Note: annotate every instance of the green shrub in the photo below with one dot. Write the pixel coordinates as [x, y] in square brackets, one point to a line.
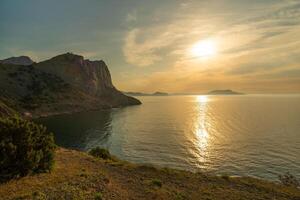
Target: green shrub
[156, 182]
[98, 196]
[289, 180]
[38, 196]
[25, 148]
[225, 177]
[100, 153]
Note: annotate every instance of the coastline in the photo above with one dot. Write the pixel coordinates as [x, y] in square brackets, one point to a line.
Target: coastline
[88, 177]
[51, 114]
[37, 115]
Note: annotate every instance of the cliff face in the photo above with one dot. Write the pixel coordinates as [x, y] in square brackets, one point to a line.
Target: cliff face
[65, 83]
[98, 78]
[92, 77]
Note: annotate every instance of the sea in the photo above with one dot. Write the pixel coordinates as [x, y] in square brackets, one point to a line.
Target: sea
[235, 135]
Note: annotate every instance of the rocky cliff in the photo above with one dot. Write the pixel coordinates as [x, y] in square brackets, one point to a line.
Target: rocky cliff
[65, 83]
[91, 76]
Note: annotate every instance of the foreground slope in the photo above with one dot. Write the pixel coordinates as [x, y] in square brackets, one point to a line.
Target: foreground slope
[79, 176]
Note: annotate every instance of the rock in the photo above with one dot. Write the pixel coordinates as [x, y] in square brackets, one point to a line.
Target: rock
[92, 77]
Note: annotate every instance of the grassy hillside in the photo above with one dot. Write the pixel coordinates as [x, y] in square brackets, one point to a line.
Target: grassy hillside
[77, 175]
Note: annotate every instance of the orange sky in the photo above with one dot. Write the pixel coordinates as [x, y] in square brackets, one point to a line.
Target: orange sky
[148, 44]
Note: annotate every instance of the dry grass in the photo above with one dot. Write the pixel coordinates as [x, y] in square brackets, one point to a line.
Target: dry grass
[77, 175]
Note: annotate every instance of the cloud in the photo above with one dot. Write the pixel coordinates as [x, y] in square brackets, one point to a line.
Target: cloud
[148, 51]
[131, 17]
[259, 47]
[139, 54]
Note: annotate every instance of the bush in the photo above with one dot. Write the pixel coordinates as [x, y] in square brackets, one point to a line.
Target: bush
[98, 196]
[289, 180]
[25, 148]
[225, 177]
[100, 153]
[156, 182]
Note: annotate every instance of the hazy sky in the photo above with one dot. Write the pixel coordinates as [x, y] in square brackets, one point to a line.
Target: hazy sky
[147, 44]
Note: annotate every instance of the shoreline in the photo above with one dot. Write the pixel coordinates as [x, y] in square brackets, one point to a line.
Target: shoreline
[87, 177]
[33, 116]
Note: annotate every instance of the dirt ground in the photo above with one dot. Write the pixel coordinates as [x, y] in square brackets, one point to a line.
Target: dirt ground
[77, 175]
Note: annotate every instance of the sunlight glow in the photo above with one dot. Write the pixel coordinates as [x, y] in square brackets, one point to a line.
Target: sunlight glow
[204, 48]
[202, 99]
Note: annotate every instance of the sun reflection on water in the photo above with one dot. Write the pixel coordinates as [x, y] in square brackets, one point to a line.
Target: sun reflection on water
[202, 99]
[201, 134]
[202, 138]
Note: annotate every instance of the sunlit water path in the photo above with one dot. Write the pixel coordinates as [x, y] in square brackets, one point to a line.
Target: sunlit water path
[256, 135]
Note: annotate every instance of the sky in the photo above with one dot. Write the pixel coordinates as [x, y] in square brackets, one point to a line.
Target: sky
[149, 45]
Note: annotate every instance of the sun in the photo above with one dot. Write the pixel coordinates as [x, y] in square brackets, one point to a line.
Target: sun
[204, 48]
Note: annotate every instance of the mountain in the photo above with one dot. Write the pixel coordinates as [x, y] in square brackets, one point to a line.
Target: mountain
[63, 84]
[224, 92]
[146, 94]
[21, 60]
[136, 94]
[160, 94]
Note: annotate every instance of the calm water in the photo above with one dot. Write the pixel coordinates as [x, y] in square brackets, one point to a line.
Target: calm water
[256, 135]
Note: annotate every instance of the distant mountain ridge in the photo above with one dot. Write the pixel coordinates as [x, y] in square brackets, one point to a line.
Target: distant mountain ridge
[20, 60]
[213, 92]
[63, 84]
[224, 92]
[146, 94]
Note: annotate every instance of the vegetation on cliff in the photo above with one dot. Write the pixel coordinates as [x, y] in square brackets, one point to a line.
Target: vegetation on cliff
[25, 148]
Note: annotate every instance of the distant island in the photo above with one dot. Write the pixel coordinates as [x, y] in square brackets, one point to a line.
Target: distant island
[146, 94]
[224, 92]
[213, 92]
